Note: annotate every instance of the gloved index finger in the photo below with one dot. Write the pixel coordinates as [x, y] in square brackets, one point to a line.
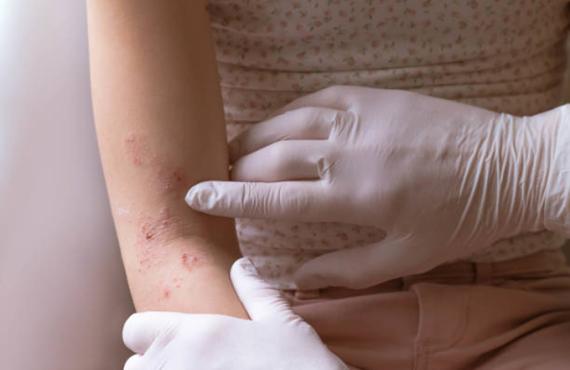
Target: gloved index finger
[285, 200]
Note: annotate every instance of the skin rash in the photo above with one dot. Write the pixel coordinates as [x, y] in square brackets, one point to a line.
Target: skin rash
[136, 149]
[154, 231]
[166, 179]
[153, 234]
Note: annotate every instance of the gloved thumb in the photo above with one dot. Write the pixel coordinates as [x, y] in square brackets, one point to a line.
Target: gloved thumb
[260, 299]
[141, 329]
[391, 258]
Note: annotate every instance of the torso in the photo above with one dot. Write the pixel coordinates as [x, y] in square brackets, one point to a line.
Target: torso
[502, 55]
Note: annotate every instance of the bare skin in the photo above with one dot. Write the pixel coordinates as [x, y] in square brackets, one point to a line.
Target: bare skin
[160, 127]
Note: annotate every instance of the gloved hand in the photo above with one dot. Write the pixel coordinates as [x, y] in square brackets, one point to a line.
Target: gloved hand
[274, 338]
[441, 178]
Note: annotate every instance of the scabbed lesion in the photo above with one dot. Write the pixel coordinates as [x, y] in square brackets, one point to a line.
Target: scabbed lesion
[188, 261]
[153, 233]
[168, 286]
[166, 292]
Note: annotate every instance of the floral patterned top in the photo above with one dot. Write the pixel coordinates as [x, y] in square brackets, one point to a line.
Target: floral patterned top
[504, 55]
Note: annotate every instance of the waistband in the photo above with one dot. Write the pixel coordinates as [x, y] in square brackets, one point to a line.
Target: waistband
[546, 263]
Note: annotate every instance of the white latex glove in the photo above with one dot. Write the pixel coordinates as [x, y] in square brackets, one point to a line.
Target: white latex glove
[442, 179]
[274, 338]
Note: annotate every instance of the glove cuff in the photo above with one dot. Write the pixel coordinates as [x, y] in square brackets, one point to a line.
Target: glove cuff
[557, 202]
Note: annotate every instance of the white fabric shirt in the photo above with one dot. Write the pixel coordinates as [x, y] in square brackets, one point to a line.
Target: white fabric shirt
[506, 56]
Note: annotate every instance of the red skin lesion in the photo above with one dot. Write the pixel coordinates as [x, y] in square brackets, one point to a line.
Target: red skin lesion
[172, 180]
[164, 177]
[188, 261]
[166, 293]
[136, 149]
[178, 176]
[177, 281]
[153, 233]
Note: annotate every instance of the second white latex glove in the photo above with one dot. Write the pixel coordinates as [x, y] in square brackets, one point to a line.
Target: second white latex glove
[442, 179]
[274, 338]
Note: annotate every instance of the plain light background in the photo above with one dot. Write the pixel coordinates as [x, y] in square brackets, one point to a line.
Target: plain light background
[63, 295]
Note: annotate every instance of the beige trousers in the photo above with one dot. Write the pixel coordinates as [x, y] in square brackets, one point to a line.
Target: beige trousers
[509, 315]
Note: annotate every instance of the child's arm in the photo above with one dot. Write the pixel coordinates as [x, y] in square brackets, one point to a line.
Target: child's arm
[160, 127]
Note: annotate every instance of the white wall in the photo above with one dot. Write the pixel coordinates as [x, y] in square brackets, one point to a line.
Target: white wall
[63, 295]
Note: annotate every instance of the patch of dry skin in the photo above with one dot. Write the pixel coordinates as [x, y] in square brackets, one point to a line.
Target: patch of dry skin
[171, 180]
[189, 261]
[122, 211]
[153, 232]
[136, 149]
[165, 178]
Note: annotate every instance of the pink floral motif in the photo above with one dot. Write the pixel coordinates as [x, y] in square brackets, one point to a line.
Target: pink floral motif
[500, 55]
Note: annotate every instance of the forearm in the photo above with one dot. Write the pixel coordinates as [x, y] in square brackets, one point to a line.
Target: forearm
[160, 127]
